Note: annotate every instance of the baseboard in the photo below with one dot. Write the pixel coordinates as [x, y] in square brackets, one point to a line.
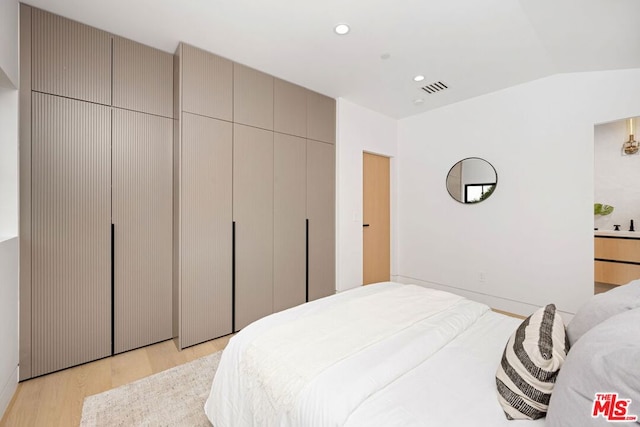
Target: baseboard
[6, 394]
[499, 303]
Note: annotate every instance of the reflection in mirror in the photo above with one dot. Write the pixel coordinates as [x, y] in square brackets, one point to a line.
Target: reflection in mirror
[472, 180]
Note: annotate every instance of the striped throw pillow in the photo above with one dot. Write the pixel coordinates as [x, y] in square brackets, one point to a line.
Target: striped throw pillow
[530, 364]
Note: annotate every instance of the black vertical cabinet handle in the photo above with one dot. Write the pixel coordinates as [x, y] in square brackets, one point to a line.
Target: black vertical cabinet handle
[306, 261]
[113, 287]
[233, 276]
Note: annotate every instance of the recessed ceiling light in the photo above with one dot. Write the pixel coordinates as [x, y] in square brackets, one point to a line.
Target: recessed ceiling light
[418, 101]
[342, 29]
[418, 78]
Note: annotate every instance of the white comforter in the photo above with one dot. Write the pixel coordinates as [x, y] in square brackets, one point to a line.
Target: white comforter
[338, 361]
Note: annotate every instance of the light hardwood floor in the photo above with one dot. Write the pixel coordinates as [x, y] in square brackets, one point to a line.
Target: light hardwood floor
[56, 399]
[506, 313]
[599, 288]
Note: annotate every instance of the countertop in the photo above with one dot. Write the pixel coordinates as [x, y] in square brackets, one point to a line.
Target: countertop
[621, 234]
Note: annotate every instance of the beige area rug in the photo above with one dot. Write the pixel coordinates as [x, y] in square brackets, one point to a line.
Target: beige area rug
[174, 397]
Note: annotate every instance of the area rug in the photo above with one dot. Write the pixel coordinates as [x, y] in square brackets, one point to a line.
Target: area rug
[174, 397]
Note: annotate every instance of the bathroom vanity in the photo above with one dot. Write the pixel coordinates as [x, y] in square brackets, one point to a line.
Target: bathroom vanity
[617, 256]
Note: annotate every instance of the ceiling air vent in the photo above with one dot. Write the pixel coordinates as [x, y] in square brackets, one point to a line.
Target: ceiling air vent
[435, 87]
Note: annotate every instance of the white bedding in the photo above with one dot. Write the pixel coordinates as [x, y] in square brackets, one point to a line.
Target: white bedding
[430, 363]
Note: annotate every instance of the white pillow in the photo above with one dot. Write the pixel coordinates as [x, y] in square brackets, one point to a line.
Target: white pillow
[530, 363]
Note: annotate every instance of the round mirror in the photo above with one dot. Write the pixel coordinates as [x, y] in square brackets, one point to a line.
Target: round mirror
[472, 180]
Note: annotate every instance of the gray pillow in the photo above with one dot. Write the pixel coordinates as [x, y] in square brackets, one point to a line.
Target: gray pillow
[601, 307]
[605, 360]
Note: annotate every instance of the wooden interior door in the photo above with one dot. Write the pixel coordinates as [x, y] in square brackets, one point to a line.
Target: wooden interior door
[376, 235]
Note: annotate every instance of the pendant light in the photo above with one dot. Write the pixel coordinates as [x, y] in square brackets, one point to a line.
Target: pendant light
[630, 146]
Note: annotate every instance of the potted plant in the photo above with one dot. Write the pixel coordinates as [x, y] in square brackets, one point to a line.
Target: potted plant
[600, 209]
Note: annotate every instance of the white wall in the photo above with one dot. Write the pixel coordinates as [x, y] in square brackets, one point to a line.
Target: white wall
[9, 256]
[9, 266]
[9, 24]
[8, 163]
[616, 176]
[359, 130]
[532, 240]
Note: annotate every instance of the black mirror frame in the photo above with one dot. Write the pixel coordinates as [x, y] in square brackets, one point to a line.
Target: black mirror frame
[495, 184]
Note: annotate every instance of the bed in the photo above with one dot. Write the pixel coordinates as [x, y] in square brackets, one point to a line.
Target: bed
[403, 355]
[385, 354]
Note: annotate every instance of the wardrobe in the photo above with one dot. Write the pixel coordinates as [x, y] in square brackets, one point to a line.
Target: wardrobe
[96, 194]
[254, 188]
[161, 196]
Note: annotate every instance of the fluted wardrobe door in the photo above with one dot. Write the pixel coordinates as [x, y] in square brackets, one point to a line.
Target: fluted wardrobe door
[252, 97]
[253, 215]
[321, 118]
[142, 221]
[71, 205]
[205, 229]
[142, 78]
[321, 214]
[70, 59]
[289, 221]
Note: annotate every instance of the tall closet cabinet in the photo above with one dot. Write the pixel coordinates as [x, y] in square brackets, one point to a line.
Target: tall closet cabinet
[254, 178]
[96, 194]
[203, 177]
[161, 195]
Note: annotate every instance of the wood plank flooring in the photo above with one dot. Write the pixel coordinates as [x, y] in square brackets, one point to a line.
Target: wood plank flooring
[599, 288]
[56, 399]
[506, 313]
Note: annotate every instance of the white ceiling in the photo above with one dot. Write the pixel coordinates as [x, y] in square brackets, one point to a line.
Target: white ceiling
[475, 47]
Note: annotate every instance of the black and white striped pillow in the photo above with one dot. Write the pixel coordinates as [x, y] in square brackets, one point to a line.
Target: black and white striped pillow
[530, 364]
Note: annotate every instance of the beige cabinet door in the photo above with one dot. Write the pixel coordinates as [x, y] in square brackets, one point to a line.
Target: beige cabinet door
[321, 214]
[70, 59]
[289, 221]
[142, 217]
[376, 240]
[207, 83]
[289, 108]
[252, 97]
[321, 118]
[205, 227]
[253, 217]
[142, 78]
[71, 223]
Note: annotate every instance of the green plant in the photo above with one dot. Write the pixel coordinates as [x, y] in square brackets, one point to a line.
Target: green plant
[600, 209]
[487, 193]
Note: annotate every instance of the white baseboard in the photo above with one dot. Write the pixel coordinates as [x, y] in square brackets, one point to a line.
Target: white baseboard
[504, 304]
[6, 394]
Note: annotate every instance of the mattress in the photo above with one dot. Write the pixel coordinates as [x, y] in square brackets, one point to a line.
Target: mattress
[385, 354]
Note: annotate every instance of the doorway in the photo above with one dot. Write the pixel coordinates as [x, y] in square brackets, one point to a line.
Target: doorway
[615, 164]
[376, 214]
